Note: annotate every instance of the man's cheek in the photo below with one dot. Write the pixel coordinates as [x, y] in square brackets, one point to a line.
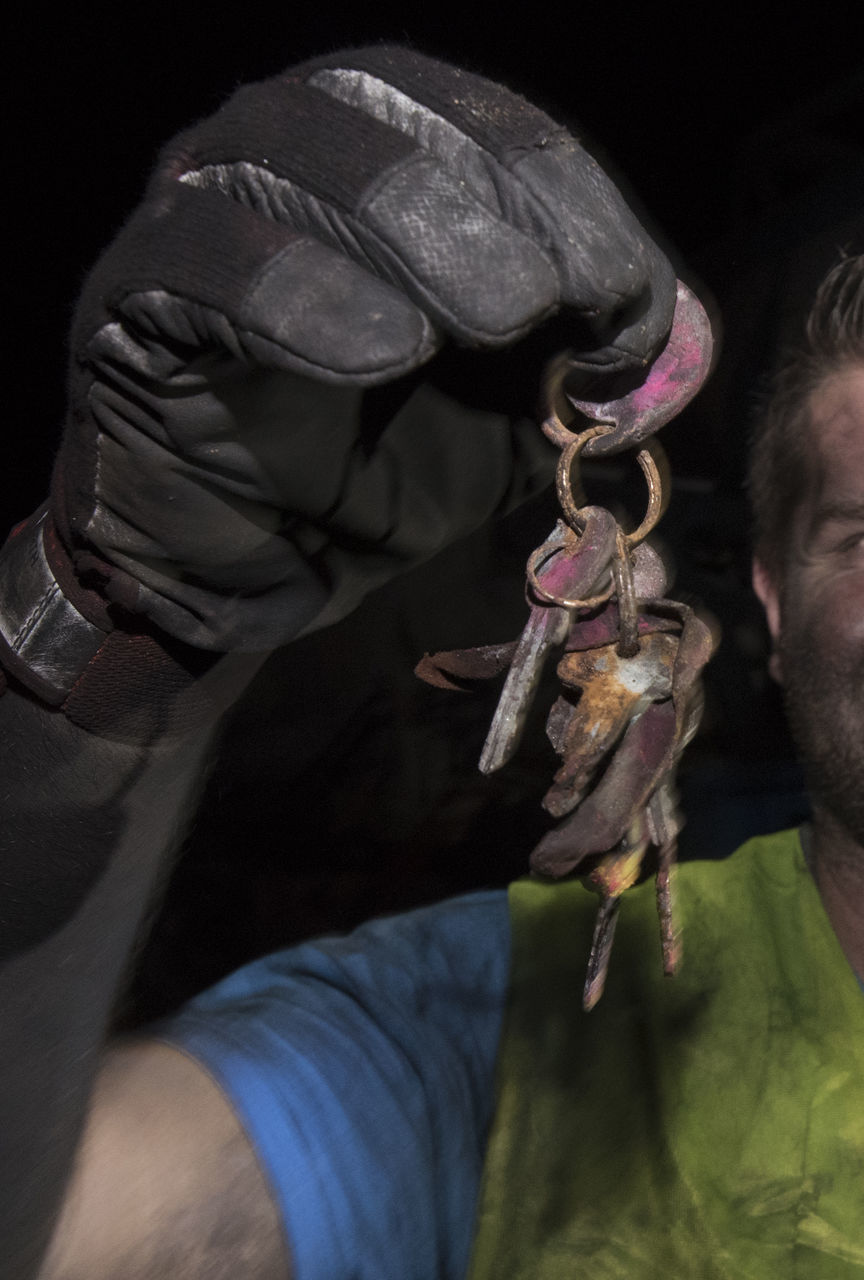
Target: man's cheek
[839, 615]
[827, 607]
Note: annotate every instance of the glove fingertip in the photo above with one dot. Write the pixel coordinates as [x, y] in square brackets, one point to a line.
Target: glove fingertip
[332, 318]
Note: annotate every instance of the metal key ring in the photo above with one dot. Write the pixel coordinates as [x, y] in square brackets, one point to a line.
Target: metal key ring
[554, 427]
[542, 555]
[654, 466]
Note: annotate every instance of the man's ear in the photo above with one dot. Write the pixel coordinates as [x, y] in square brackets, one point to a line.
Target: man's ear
[767, 591]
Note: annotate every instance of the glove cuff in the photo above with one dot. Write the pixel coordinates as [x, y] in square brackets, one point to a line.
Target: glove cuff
[61, 642]
[46, 639]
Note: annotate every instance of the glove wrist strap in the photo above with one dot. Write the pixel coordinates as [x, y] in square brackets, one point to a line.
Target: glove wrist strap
[59, 641]
[45, 640]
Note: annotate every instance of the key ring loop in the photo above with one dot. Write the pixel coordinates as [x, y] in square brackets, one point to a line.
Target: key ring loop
[554, 427]
[540, 557]
[653, 464]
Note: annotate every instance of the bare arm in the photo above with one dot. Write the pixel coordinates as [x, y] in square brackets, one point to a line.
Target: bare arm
[88, 827]
[88, 833]
[165, 1182]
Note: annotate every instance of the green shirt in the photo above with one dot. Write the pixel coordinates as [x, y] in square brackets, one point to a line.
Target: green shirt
[708, 1125]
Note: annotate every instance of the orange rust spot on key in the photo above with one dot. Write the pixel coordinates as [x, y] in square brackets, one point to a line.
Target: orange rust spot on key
[612, 690]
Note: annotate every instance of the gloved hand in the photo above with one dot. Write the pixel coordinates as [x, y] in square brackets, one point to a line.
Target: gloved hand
[221, 478]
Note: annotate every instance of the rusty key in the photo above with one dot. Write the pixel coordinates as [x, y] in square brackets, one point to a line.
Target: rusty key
[576, 570]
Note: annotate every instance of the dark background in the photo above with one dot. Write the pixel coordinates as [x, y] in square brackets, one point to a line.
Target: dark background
[344, 787]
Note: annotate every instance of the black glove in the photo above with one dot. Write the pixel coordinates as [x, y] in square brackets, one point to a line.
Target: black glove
[325, 231]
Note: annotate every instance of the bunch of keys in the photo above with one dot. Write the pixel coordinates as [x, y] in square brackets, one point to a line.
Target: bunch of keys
[629, 658]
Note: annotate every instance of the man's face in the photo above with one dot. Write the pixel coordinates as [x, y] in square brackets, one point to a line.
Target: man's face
[816, 613]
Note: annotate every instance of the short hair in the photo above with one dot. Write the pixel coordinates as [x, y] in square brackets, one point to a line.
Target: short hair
[779, 471]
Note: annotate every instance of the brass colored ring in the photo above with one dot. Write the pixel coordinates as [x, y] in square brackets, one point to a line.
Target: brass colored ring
[554, 426]
[570, 498]
[655, 468]
[538, 558]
